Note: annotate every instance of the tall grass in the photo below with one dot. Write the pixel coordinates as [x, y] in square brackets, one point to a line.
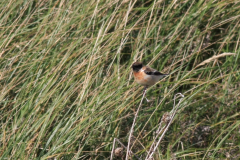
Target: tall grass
[67, 89]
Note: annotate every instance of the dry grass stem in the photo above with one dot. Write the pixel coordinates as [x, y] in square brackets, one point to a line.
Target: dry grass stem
[215, 57]
[133, 124]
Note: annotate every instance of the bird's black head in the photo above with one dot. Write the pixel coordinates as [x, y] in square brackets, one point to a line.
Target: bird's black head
[137, 66]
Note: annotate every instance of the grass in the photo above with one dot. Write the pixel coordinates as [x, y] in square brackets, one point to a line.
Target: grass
[67, 88]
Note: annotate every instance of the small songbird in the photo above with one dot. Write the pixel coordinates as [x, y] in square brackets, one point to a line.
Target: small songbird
[145, 75]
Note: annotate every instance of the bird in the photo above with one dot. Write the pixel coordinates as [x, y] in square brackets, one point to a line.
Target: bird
[145, 75]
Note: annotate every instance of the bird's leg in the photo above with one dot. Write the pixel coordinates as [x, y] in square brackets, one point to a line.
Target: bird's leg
[145, 90]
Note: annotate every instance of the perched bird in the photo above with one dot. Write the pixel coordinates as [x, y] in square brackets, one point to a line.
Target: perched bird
[145, 75]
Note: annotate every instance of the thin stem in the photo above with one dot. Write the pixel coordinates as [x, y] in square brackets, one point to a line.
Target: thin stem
[114, 141]
[134, 122]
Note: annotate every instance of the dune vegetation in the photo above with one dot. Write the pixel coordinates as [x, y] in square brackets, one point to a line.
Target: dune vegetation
[67, 88]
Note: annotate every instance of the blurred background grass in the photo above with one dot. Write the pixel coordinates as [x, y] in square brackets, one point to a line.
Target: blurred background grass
[67, 88]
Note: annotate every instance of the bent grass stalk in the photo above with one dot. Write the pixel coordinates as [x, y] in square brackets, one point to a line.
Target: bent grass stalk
[159, 130]
[133, 124]
[165, 128]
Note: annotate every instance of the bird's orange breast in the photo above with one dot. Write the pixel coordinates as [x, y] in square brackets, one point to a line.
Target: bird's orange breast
[142, 78]
[139, 75]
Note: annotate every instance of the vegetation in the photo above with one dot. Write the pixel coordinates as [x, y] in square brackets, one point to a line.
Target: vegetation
[67, 88]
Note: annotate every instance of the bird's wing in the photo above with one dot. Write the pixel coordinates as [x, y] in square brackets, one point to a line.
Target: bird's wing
[150, 71]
